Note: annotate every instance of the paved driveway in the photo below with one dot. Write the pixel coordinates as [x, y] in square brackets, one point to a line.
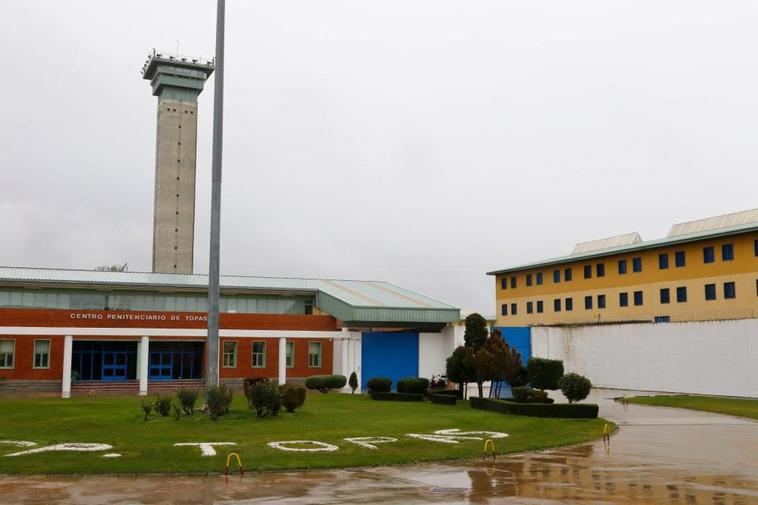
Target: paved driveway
[661, 455]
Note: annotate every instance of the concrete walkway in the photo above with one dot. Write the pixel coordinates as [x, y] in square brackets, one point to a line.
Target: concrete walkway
[661, 455]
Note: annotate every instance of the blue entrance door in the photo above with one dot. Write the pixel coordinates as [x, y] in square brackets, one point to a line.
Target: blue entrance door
[161, 364]
[389, 354]
[114, 366]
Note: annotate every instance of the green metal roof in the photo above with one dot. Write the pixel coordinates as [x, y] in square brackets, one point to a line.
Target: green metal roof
[347, 300]
[639, 246]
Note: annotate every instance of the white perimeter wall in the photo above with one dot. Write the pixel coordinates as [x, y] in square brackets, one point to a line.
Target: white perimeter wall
[434, 349]
[713, 357]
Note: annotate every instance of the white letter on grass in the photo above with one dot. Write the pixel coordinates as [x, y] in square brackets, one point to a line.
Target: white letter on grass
[73, 446]
[321, 446]
[206, 448]
[368, 442]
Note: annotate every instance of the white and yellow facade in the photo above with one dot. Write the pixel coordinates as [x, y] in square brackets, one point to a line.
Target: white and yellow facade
[703, 270]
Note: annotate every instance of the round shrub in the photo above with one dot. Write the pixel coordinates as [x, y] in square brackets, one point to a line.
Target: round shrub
[265, 399]
[544, 373]
[379, 385]
[413, 385]
[324, 383]
[292, 396]
[187, 399]
[521, 393]
[575, 387]
[162, 405]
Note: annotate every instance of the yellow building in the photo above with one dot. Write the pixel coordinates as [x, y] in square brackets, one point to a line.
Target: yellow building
[702, 270]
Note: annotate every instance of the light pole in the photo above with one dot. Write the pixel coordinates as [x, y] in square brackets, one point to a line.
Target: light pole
[213, 269]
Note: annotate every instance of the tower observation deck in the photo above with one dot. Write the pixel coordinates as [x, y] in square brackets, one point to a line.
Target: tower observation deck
[177, 82]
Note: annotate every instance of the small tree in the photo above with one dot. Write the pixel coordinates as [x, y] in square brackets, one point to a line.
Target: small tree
[494, 361]
[459, 368]
[476, 331]
[353, 382]
[544, 373]
[575, 387]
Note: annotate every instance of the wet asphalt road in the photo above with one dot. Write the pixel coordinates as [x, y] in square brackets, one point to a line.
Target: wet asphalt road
[660, 455]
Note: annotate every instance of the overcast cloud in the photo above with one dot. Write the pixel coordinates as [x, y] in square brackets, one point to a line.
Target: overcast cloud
[420, 142]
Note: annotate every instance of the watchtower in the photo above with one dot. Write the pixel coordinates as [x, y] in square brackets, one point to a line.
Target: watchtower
[177, 82]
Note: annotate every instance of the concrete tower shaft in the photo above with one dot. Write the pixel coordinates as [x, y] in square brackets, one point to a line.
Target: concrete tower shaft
[176, 82]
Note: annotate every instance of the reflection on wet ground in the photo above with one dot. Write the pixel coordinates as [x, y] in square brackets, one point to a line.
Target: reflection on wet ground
[661, 455]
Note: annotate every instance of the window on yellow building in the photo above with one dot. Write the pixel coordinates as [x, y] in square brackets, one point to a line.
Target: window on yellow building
[755, 247]
[569, 304]
[556, 276]
[681, 294]
[513, 281]
[680, 259]
[600, 301]
[665, 295]
[663, 261]
[504, 283]
[600, 269]
[587, 302]
[528, 279]
[710, 291]
[587, 271]
[567, 274]
[622, 267]
[529, 307]
[514, 308]
[539, 278]
[709, 256]
[623, 299]
[540, 307]
[730, 291]
[557, 305]
[727, 252]
[638, 298]
[636, 264]
[504, 309]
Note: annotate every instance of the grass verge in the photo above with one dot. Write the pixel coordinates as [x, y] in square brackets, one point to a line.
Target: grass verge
[148, 447]
[720, 405]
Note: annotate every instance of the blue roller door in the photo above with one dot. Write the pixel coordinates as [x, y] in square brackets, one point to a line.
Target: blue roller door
[389, 354]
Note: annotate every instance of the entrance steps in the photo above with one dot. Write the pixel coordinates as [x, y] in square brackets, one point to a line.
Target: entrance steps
[131, 387]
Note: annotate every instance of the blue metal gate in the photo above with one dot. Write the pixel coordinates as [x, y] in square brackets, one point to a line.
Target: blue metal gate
[519, 337]
[389, 354]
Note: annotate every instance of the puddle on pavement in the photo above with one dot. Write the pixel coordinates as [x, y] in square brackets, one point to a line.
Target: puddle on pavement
[683, 459]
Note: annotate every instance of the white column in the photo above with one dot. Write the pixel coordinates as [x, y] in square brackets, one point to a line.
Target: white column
[144, 359]
[345, 353]
[282, 360]
[68, 352]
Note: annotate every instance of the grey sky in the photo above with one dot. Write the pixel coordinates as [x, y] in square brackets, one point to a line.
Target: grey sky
[420, 142]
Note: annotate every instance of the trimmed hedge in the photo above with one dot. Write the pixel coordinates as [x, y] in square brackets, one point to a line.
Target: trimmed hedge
[397, 397]
[544, 373]
[416, 385]
[379, 385]
[443, 399]
[324, 383]
[458, 394]
[525, 394]
[563, 410]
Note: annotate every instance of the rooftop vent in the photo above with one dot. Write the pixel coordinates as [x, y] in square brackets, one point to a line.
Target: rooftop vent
[714, 223]
[607, 243]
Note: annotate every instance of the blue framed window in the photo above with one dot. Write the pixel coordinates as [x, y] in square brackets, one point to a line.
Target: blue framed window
[638, 299]
[569, 304]
[504, 283]
[681, 294]
[514, 308]
[600, 301]
[513, 282]
[587, 271]
[567, 274]
[622, 267]
[710, 291]
[709, 256]
[665, 295]
[528, 279]
[623, 299]
[730, 291]
[587, 302]
[529, 307]
[680, 259]
[556, 276]
[600, 269]
[637, 264]
[540, 307]
[539, 278]
[755, 247]
[504, 309]
[557, 305]
[662, 319]
[727, 252]
[663, 261]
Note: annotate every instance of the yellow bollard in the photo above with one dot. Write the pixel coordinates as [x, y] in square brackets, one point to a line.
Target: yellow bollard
[606, 433]
[488, 443]
[239, 463]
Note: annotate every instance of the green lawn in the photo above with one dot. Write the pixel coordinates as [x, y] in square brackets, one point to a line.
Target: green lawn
[149, 446]
[731, 406]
